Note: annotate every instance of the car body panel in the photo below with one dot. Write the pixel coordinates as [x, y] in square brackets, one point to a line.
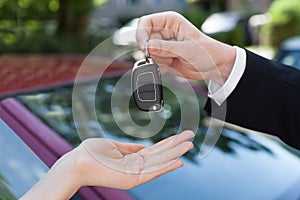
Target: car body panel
[292, 43]
[47, 144]
[242, 165]
[289, 52]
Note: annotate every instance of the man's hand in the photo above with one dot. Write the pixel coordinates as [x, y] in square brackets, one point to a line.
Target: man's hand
[174, 42]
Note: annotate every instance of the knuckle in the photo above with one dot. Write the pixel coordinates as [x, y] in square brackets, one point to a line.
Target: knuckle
[141, 19]
[173, 13]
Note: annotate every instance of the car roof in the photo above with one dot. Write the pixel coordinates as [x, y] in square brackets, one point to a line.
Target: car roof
[291, 44]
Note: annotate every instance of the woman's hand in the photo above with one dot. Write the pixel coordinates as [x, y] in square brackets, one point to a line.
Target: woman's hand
[104, 162]
[174, 42]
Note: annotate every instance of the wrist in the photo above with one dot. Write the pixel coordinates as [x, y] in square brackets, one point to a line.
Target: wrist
[59, 182]
[220, 92]
[85, 165]
[226, 63]
[65, 174]
[223, 56]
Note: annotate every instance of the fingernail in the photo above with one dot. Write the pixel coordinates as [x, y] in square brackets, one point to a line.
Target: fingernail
[190, 133]
[191, 146]
[180, 163]
[153, 46]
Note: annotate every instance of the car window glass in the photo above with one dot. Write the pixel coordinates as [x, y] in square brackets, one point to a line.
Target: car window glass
[20, 168]
[55, 108]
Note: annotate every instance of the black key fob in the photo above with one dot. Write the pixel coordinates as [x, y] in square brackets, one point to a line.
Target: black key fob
[146, 85]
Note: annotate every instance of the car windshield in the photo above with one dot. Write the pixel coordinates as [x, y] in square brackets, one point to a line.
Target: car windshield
[54, 106]
[242, 165]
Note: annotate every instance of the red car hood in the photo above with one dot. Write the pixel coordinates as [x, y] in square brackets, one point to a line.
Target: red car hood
[21, 73]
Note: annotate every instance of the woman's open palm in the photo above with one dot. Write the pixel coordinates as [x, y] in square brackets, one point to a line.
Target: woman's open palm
[103, 161]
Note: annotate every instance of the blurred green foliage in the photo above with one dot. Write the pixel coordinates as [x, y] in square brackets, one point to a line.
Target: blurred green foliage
[48, 26]
[5, 192]
[239, 35]
[285, 20]
[196, 15]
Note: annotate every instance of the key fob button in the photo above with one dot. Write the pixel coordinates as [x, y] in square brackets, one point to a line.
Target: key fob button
[145, 78]
[146, 96]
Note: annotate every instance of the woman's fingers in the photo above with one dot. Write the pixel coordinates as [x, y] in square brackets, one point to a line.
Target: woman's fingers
[161, 167]
[151, 160]
[135, 158]
[153, 157]
[156, 171]
[150, 174]
[126, 148]
[168, 143]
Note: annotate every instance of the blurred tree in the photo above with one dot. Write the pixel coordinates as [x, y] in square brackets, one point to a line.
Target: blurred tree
[5, 193]
[73, 17]
[285, 20]
[31, 26]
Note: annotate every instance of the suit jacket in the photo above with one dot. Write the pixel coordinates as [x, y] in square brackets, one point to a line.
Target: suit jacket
[266, 99]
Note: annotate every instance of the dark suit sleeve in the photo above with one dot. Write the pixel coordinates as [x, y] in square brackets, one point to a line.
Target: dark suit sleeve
[266, 99]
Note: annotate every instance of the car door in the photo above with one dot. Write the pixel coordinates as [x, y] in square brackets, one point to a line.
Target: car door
[47, 145]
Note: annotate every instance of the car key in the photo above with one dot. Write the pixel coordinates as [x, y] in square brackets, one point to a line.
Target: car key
[146, 85]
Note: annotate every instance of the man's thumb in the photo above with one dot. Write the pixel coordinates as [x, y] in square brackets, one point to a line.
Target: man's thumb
[166, 48]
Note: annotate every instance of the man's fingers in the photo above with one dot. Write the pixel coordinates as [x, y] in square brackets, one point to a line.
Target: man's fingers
[168, 48]
[178, 70]
[156, 22]
[162, 61]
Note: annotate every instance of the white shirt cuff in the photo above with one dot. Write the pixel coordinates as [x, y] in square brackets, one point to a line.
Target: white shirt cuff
[219, 93]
